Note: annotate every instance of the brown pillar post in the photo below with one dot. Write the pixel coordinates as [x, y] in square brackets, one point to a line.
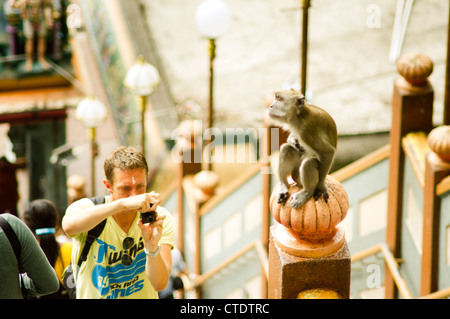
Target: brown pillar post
[305, 4]
[189, 158]
[266, 189]
[272, 139]
[446, 119]
[308, 251]
[412, 109]
[204, 187]
[436, 169]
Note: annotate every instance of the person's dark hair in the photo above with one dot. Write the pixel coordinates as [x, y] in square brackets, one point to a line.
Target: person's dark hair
[42, 214]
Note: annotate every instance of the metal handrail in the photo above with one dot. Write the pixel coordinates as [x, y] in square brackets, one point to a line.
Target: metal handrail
[391, 263]
[261, 254]
[444, 293]
[394, 270]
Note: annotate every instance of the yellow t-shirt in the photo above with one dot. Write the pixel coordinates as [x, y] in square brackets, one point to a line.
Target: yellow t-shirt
[102, 275]
[64, 260]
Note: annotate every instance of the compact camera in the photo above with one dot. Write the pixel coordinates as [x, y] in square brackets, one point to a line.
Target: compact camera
[148, 217]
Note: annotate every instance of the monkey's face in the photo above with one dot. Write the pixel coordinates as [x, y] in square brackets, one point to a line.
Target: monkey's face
[286, 105]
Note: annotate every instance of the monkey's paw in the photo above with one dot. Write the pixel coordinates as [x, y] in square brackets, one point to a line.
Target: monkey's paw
[299, 198]
[319, 192]
[282, 197]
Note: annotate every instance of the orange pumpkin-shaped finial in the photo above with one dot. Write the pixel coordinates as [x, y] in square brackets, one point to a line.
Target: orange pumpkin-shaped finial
[311, 230]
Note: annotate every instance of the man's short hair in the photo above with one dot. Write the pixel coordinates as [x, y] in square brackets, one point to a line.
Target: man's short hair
[125, 158]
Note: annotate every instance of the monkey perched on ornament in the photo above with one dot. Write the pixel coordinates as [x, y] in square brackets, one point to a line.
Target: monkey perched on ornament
[310, 149]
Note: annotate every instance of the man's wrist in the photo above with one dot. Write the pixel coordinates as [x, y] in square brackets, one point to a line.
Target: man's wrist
[152, 251]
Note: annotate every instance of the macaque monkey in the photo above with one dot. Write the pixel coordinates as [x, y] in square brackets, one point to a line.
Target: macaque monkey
[309, 152]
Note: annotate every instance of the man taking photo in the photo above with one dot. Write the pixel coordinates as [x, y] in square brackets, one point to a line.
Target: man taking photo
[129, 259]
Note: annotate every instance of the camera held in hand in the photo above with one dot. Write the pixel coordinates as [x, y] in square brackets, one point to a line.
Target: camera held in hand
[148, 217]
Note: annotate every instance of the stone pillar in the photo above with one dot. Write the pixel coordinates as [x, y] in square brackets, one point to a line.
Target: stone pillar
[204, 187]
[437, 167]
[412, 110]
[307, 250]
[188, 150]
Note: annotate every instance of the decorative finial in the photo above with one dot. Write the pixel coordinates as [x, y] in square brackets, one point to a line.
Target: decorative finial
[439, 142]
[311, 229]
[415, 68]
[206, 182]
[319, 293]
[189, 134]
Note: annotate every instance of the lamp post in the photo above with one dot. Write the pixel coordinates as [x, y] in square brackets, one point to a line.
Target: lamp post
[213, 18]
[142, 79]
[305, 5]
[91, 112]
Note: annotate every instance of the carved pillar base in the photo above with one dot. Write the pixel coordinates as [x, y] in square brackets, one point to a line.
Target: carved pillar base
[290, 275]
[292, 243]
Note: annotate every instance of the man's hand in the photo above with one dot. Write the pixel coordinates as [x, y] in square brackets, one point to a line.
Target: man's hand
[151, 233]
[157, 268]
[143, 203]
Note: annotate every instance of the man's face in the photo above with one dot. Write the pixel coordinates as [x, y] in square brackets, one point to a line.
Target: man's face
[126, 183]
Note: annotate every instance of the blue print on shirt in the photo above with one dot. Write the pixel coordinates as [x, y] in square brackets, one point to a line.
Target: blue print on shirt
[102, 251]
[116, 278]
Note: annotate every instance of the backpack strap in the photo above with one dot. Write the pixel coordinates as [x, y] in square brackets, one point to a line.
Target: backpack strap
[93, 233]
[12, 237]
